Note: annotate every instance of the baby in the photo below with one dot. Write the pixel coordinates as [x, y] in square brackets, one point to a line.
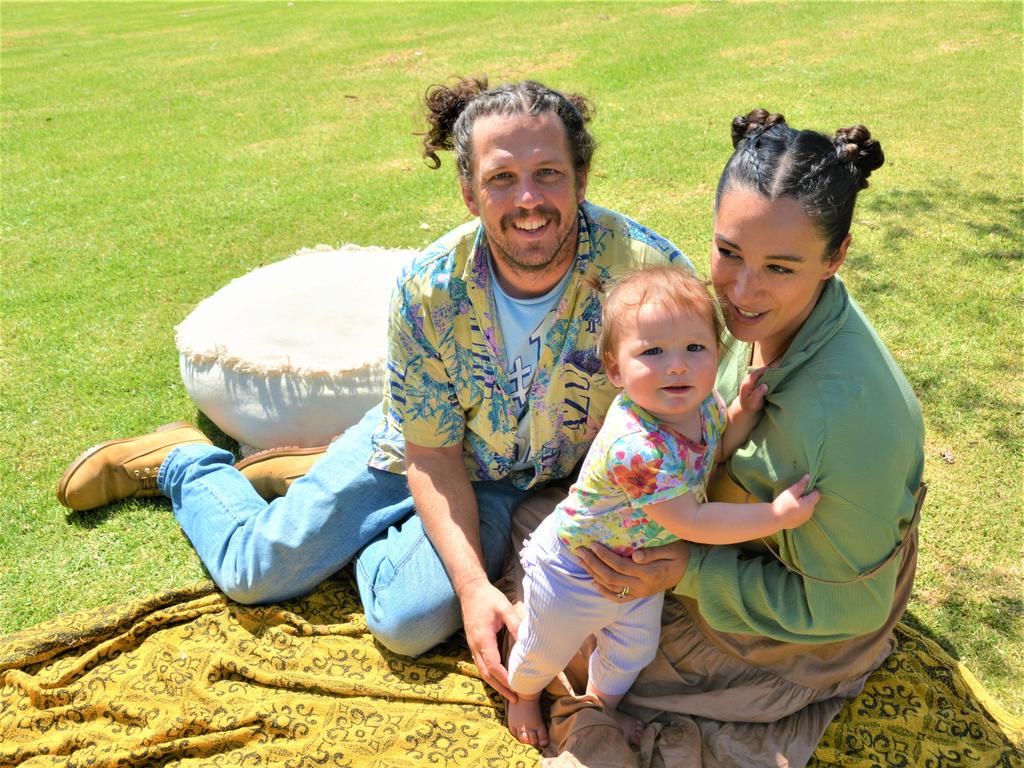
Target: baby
[641, 485]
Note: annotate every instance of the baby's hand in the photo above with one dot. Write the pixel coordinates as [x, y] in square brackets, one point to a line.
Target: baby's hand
[751, 396]
[791, 508]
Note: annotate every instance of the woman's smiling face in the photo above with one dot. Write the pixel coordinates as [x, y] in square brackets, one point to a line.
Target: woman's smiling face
[768, 267]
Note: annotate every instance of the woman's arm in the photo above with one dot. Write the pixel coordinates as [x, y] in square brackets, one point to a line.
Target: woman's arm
[742, 593]
[647, 572]
[750, 595]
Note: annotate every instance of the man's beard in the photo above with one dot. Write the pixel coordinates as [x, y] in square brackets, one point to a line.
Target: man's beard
[513, 260]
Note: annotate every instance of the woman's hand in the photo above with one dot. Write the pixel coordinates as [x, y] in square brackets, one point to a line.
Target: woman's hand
[646, 572]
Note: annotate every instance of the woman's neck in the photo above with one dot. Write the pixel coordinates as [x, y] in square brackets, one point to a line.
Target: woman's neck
[769, 351]
[759, 353]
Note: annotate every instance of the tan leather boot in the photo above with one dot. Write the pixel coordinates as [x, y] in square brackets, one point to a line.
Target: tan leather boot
[272, 471]
[123, 468]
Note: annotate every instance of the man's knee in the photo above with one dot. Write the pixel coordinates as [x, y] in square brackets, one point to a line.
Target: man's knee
[413, 635]
[413, 626]
[250, 588]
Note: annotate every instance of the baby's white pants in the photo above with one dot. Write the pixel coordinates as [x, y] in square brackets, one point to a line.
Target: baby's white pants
[563, 608]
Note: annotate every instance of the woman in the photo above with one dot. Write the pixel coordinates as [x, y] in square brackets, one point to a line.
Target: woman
[767, 639]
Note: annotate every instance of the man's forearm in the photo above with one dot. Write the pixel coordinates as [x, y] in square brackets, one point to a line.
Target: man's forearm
[445, 502]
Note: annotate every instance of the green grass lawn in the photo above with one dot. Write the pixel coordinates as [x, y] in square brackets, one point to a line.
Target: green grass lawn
[152, 152]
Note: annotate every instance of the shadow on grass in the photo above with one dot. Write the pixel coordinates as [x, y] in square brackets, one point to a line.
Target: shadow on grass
[964, 396]
[916, 624]
[966, 231]
[966, 619]
[96, 518]
[986, 215]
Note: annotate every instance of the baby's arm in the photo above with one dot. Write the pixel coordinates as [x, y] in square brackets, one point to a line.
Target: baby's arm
[720, 523]
[743, 413]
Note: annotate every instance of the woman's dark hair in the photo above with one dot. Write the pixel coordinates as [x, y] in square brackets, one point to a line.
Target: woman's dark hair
[823, 174]
[453, 110]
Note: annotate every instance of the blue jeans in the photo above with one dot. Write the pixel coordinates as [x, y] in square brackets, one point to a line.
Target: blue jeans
[262, 553]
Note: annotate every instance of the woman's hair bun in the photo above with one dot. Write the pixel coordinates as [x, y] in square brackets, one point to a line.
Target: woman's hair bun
[444, 105]
[855, 145]
[755, 120]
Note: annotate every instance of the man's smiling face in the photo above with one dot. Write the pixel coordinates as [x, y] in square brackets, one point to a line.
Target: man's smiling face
[526, 192]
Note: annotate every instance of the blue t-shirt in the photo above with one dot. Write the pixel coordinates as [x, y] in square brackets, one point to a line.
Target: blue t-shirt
[524, 323]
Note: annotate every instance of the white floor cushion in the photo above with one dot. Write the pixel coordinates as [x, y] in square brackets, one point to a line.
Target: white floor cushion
[293, 353]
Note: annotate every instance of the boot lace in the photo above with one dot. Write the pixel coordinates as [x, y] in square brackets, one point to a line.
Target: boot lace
[147, 478]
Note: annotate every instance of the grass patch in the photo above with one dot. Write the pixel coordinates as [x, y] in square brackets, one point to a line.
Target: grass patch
[152, 152]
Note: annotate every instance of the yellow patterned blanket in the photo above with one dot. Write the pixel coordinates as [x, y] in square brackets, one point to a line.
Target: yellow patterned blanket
[190, 678]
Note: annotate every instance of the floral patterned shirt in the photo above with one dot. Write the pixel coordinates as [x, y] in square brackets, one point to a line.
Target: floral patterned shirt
[636, 461]
[447, 384]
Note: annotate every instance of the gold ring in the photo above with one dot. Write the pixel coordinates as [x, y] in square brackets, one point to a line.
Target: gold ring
[624, 593]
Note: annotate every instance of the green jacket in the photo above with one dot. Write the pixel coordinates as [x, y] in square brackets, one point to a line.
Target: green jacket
[838, 407]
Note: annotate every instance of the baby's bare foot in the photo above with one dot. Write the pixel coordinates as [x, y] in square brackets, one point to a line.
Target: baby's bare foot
[525, 722]
[632, 728]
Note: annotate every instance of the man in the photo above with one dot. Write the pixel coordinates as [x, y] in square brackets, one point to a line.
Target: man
[495, 389]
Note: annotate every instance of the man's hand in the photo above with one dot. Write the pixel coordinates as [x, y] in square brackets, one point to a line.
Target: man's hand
[646, 572]
[485, 610]
[447, 506]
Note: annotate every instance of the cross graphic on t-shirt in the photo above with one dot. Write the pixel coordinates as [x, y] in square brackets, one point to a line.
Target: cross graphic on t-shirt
[519, 378]
[520, 375]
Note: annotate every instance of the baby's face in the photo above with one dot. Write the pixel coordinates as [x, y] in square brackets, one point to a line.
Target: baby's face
[666, 361]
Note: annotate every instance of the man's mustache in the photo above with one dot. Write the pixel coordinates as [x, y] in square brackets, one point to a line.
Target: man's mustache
[552, 214]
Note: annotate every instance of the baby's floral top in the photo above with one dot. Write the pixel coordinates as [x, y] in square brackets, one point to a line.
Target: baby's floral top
[634, 462]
